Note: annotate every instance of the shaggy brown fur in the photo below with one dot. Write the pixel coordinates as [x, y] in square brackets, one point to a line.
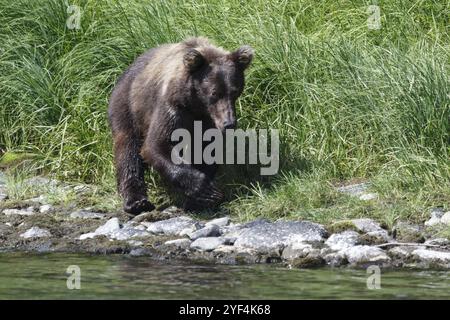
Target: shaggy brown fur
[166, 88]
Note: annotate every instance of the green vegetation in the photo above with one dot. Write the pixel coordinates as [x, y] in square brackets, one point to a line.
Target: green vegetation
[351, 103]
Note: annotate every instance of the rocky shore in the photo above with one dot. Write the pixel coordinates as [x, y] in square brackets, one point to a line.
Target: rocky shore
[37, 226]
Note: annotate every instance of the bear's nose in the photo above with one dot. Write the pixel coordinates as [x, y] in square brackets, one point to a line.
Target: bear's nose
[229, 124]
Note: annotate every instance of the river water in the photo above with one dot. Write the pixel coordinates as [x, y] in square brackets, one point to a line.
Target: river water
[44, 276]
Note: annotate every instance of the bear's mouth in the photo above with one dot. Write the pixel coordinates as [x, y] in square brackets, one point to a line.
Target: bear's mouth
[224, 127]
[229, 123]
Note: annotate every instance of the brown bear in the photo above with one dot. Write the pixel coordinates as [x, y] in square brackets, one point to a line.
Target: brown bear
[167, 88]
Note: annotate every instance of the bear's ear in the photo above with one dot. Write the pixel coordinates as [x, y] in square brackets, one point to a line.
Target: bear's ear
[193, 60]
[243, 56]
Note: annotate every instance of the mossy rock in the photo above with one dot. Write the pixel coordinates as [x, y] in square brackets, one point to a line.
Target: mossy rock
[10, 159]
[369, 239]
[341, 226]
[406, 232]
[312, 260]
[243, 258]
[437, 231]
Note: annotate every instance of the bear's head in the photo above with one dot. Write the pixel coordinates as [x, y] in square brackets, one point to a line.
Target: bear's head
[216, 79]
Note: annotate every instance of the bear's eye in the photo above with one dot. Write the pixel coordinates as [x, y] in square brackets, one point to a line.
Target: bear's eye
[213, 94]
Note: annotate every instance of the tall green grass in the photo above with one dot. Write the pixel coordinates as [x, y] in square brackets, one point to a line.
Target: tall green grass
[350, 102]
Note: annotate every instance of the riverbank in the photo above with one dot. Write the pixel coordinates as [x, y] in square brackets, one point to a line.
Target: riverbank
[40, 225]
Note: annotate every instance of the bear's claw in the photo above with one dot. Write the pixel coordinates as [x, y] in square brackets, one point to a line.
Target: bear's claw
[206, 198]
[139, 206]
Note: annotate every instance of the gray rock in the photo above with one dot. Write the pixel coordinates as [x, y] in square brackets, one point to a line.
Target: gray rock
[335, 259]
[343, 240]
[432, 222]
[2, 179]
[358, 255]
[41, 199]
[46, 208]
[20, 212]
[131, 225]
[432, 258]
[402, 252]
[141, 227]
[374, 234]
[437, 212]
[232, 230]
[41, 182]
[296, 250]
[436, 215]
[172, 226]
[220, 222]
[366, 225]
[233, 255]
[128, 233]
[88, 235]
[83, 214]
[135, 243]
[179, 243]
[211, 231]
[354, 189]
[439, 242]
[255, 223]
[377, 237]
[269, 237]
[406, 232]
[445, 219]
[311, 259]
[368, 196]
[189, 230]
[207, 244]
[139, 252]
[109, 227]
[35, 232]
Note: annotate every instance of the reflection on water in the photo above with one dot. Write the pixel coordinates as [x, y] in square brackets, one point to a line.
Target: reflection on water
[27, 276]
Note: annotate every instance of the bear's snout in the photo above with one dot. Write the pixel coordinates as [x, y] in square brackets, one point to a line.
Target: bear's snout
[229, 124]
[223, 116]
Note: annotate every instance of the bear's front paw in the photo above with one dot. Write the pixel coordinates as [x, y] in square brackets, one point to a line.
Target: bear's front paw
[207, 197]
[138, 206]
